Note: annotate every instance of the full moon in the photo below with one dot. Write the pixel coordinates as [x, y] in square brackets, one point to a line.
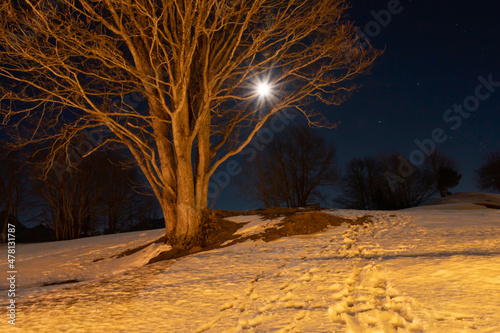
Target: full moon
[263, 89]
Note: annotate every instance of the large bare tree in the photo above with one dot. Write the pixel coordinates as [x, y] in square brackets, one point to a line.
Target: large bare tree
[193, 67]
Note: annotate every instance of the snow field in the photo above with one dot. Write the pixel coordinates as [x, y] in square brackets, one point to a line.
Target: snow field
[410, 271]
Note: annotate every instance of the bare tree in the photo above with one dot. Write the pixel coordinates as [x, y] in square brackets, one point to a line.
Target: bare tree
[488, 175]
[293, 169]
[12, 186]
[95, 197]
[193, 67]
[260, 182]
[416, 188]
[359, 184]
[366, 184]
[70, 204]
[444, 170]
[116, 192]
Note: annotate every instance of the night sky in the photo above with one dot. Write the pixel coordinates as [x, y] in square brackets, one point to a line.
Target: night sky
[434, 53]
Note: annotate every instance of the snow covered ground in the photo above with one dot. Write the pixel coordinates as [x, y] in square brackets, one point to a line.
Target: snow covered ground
[419, 270]
[47, 266]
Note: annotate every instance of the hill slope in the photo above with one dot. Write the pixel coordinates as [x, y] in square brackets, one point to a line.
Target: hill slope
[417, 270]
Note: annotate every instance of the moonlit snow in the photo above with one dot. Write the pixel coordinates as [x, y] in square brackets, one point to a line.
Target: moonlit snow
[429, 269]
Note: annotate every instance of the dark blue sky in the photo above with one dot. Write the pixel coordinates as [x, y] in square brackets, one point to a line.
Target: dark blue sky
[434, 53]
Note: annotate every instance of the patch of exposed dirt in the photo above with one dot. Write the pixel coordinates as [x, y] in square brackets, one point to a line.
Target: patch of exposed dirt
[60, 282]
[267, 213]
[302, 224]
[488, 205]
[218, 231]
[273, 213]
[129, 252]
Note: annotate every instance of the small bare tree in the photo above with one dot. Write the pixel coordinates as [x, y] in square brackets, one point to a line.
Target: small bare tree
[259, 182]
[193, 67]
[488, 175]
[359, 184]
[116, 191]
[367, 186]
[444, 170]
[293, 170]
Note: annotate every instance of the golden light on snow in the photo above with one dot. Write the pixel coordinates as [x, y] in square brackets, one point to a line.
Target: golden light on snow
[433, 268]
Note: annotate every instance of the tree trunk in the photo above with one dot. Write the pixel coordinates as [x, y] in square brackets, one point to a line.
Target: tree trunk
[6, 222]
[183, 210]
[183, 213]
[188, 215]
[183, 216]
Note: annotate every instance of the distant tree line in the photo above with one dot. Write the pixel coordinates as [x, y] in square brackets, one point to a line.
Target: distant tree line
[367, 183]
[105, 194]
[102, 194]
[299, 168]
